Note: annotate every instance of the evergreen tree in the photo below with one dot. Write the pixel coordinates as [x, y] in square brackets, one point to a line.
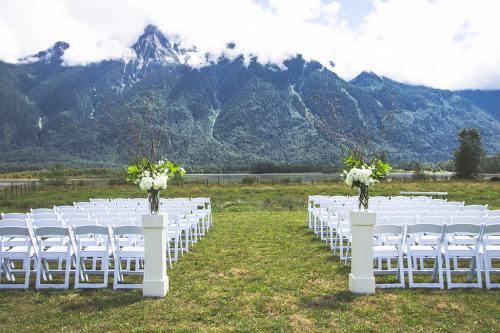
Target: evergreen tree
[469, 153]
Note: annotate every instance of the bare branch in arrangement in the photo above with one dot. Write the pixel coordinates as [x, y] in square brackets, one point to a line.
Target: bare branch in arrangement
[362, 144]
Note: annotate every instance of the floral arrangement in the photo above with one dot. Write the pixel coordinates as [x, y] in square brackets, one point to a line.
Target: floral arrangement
[363, 176]
[153, 177]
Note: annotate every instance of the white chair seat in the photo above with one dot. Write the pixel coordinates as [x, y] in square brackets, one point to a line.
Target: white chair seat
[94, 250]
[460, 250]
[423, 250]
[131, 251]
[428, 239]
[385, 251]
[463, 240]
[493, 250]
[18, 252]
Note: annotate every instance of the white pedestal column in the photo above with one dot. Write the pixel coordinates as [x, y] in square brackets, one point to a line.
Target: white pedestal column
[155, 256]
[361, 279]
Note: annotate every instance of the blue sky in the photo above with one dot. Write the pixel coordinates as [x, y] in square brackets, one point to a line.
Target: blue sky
[451, 44]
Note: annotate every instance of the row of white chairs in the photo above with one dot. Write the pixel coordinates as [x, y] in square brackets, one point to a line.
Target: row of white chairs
[189, 220]
[330, 221]
[85, 251]
[455, 244]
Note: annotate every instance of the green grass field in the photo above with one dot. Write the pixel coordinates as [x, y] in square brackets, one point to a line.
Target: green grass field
[259, 269]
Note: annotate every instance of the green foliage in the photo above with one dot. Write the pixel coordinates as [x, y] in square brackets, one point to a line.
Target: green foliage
[491, 164]
[56, 175]
[379, 168]
[248, 180]
[149, 168]
[469, 153]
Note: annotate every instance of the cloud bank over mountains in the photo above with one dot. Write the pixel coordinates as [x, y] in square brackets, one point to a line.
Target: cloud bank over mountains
[450, 44]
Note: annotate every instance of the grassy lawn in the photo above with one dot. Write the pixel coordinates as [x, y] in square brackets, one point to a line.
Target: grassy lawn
[259, 269]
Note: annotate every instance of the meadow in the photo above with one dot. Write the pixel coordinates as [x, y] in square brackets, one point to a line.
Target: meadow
[259, 269]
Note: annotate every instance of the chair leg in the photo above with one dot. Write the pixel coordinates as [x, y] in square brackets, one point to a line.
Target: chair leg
[487, 267]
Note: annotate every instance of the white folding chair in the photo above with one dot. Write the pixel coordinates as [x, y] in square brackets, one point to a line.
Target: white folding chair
[490, 252]
[131, 251]
[48, 252]
[10, 255]
[99, 251]
[462, 252]
[389, 251]
[429, 250]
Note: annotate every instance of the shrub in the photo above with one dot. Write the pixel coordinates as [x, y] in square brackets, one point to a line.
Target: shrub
[248, 180]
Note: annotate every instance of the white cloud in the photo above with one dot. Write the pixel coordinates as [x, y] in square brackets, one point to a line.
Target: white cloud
[442, 43]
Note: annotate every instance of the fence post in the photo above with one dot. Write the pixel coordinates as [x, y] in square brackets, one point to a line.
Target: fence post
[93, 183]
[207, 182]
[218, 180]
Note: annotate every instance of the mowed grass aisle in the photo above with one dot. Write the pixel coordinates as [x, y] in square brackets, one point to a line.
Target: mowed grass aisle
[255, 271]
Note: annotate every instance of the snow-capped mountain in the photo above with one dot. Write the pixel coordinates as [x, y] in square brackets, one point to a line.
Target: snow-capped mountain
[52, 55]
[229, 113]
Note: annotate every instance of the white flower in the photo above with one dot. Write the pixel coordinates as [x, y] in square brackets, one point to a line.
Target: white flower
[160, 182]
[182, 170]
[146, 173]
[146, 183]
[358, 176]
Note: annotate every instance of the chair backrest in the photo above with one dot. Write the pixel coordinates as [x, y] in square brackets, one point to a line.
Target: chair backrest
[81, 222]
[441, 213]
[421, 208]
[106, 216]
[95, 210]
[453, 203]
[117, 222]
[400, 220]
[14, 231]
[18, 216]
[388, 229]
[463, 228]
[452, 208]
[44, 216]
[439, 220]
[491, 229]
[481, 208]
[42, 211]
[427, 228]
[51, 231]
[47, 223]
[487, 220]
[14, 223]
[91, 229]
[466, 220]
[75, 216]
[492, 213]
[128, 230]
[477, 213]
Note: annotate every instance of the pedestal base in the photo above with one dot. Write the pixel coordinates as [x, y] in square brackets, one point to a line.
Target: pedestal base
[361, 285]
[155, 288]
[155, 283]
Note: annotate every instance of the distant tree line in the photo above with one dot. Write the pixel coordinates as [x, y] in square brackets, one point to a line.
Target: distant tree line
[291, 168]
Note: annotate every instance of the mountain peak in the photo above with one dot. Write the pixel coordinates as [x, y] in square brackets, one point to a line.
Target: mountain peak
[52, 55]
[153, 47]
